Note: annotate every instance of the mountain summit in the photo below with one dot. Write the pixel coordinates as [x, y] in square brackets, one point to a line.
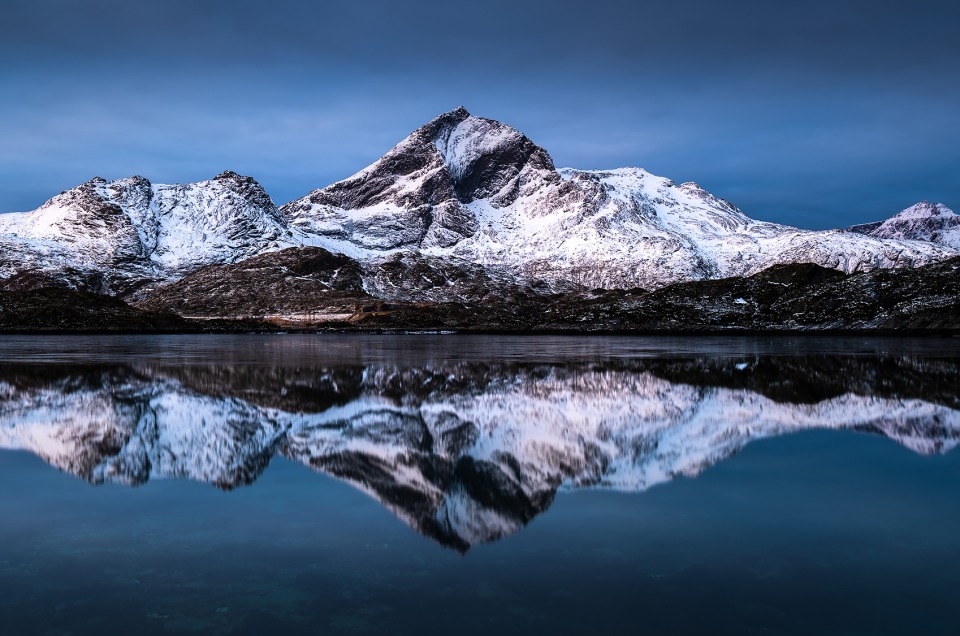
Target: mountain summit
[486, 159]
[416, 195]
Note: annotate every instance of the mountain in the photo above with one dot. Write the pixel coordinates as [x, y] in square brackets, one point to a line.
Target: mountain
[465, 212]
[925, 221]
[464, 452]
[473, 189]
[112, 236]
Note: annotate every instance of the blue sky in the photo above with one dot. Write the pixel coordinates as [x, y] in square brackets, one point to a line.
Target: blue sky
[818, 114]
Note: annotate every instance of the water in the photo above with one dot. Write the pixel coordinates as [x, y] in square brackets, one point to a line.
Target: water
[418, 484]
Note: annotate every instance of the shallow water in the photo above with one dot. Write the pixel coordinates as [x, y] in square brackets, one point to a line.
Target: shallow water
[413, 484]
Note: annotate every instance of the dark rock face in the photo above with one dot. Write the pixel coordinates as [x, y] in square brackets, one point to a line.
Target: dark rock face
[250, 190]
[454, 169]
[292, 281]
[866, 228]
[491, 162]
[925, 298]
[67, 278]
[311, 286]
[99, 225]
[414, 187]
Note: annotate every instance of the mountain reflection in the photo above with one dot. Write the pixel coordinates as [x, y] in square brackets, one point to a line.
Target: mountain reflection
[463, 452]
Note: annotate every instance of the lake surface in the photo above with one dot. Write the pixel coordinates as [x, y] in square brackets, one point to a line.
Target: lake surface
[479, 485]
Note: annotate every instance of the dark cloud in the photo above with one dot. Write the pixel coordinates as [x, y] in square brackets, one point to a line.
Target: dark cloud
[814, 113]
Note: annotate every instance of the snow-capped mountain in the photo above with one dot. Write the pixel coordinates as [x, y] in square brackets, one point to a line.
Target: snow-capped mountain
[924, 221]
[131, 230]
[465, 453]
[461, 190]
[469, 188]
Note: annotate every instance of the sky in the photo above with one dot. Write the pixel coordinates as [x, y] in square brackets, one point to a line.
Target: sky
[817, 114]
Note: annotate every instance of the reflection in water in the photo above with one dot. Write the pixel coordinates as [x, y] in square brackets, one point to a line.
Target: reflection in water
[465, 452]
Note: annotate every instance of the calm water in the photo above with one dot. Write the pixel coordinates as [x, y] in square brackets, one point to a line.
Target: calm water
[478, 485]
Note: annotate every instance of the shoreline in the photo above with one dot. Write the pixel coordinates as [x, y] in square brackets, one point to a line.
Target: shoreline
[695, 333]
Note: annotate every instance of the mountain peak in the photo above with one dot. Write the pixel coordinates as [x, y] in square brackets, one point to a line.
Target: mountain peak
[458, 114]
[230, 175]
[442, 122]
[454, 158]
[247, 187]
[925, 209]
[923, 221]
[484, 157]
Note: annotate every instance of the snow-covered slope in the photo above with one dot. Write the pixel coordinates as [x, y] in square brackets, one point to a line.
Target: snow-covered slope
[924, 221]
[470, 188]
[463, 453]
[130, 229]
